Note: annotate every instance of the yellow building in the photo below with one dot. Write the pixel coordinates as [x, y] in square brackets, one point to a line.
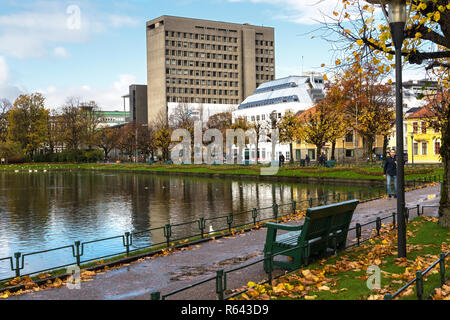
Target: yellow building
[349, 148]
[424, 142]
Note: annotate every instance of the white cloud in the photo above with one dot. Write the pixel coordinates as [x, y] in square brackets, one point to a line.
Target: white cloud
[35, 32]
[108, 98]
[60, 52]
[301, 11]
[7, 90]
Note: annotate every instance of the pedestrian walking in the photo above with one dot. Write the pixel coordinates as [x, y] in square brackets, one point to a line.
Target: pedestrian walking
[308, 160]
[390, 173]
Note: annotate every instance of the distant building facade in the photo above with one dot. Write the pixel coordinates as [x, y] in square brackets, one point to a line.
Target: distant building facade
[113, 118]
[205, 62]
[424, 143]
[293, 93]
[138, 103]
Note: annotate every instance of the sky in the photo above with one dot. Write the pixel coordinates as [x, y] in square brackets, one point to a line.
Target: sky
[94, 50]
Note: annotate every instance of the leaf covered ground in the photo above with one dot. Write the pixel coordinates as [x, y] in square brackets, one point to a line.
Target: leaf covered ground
[345, 276]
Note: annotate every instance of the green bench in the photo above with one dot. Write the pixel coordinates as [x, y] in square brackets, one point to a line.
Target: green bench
[324, 227]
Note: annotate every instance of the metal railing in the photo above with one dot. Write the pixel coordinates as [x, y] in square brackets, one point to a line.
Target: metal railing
[77, 250]
[419, 279]
[225, 223]
[221, 275]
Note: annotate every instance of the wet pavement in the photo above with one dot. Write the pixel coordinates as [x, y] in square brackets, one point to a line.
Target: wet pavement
[182, 268]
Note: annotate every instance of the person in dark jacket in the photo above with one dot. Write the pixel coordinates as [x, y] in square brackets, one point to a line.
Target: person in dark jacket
[390, 173]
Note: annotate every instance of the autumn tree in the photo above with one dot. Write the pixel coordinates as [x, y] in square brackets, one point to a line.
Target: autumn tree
[126, 141]
[72, 124]
[335, 99]
[145, 139]
[91, 119]
[315, 125]
[5, 106]
[222, 122]
[28, 122]
[54, 131]
[290, 131]
[369, 106]
[360, 34]
[106, 139]
[439, 105]
[162, 135]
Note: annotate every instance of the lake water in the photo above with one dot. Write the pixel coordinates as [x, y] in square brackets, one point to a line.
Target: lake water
[41, 211]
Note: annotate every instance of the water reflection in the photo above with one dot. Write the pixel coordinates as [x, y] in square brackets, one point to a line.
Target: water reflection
[39, 211]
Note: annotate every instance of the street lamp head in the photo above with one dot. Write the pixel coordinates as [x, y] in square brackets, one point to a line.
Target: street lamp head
[397, 11]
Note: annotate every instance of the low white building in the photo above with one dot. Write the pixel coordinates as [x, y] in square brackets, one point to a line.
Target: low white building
[201, 111]
[293, 93]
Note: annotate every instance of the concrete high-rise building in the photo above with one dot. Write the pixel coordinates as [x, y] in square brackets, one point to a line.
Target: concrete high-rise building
[138, 104]
[205, 62]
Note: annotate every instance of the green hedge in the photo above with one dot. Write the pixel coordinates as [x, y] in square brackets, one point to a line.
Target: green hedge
[84, 156]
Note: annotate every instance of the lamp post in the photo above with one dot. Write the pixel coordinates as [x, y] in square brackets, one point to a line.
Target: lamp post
[343, 151]
[396, 15]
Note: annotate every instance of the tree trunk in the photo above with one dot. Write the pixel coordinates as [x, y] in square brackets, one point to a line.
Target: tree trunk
[333, 150]
[319, 152]
[291, 148]
[385, 145]
[444, 209]
[369, 149]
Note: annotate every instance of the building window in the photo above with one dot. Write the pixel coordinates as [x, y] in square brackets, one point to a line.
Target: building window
[424, 148]
[350, 153]
[424, 127]
[415, 127]
[349, 137]
[416, 149]
[437, 147]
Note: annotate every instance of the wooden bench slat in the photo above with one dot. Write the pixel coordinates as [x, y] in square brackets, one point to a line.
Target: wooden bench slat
[324, 227]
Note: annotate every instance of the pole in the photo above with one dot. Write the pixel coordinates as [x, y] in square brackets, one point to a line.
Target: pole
[412, 149]
[397, 31]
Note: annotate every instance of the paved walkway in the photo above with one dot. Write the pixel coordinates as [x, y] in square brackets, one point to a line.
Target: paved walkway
[182, 268]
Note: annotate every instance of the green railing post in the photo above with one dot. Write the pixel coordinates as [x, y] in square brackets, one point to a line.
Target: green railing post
[358, 233]
[268, 258]
[378, 225]
[388, 296]
[275, 212]
[419, 285]
[442, 268]
[17, 256]
[202, 226]
[230, 219]
[155, 296]
[77, 252]
[418, 210]
[254, 215]
[167, 234]
[127, 242]
[219, 285]
[406, 215]
[294, 207]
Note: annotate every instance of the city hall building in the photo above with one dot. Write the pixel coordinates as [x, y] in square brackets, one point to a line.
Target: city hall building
[202, 62]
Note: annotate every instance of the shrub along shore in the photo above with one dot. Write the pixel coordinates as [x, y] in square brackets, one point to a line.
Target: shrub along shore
[362, 174]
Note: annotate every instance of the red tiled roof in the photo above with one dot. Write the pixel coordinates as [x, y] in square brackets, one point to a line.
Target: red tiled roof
[422, 113]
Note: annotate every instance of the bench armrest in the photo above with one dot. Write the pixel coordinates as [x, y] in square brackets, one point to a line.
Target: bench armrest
[271, 225]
